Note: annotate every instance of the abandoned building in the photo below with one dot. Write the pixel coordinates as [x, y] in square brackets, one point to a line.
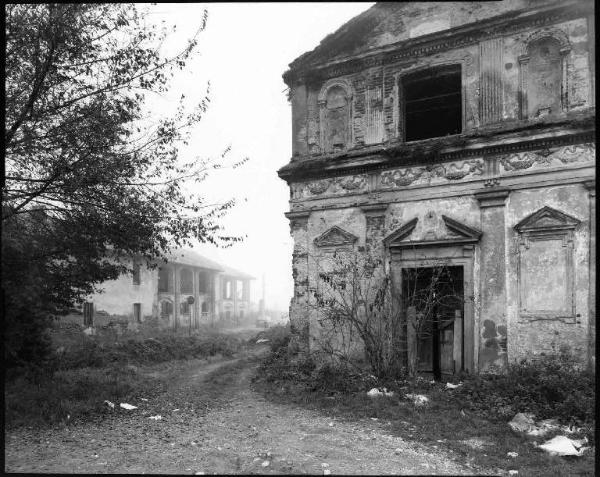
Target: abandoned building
[462, 132]
[187, 291]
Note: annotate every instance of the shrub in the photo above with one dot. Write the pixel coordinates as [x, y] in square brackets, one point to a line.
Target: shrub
[550, 387]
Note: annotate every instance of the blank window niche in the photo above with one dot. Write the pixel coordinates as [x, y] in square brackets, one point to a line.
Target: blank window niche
[432, 103]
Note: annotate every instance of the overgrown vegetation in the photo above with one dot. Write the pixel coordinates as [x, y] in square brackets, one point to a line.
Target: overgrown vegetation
[74, 382]
[92, 177]
[471, 420]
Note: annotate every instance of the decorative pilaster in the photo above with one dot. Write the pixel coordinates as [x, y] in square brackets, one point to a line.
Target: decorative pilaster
[493, 350]
[374, 232]
[299, 304]
[591, 187]
[490, 80]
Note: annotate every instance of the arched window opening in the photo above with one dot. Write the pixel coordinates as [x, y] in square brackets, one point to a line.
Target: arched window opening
[545, 78]
[203, 282]
[166, 309]
[204, 308]
[337, 120]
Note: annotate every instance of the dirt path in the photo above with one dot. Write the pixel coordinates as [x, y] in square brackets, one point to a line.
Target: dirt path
[212, 422]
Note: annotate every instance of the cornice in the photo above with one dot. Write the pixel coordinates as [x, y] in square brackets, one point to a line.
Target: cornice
[465, 146]
[457, 37]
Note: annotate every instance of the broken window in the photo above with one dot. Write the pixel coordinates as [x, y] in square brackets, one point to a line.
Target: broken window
[432, 103]
[137, 312]
[164, 280]
[187, 281]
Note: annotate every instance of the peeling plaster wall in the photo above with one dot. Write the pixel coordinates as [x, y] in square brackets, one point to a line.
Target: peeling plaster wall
[547, 336]
[399, 186]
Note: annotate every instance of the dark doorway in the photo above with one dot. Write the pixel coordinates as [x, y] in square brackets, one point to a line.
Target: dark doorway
[437, 295]
[433, 103]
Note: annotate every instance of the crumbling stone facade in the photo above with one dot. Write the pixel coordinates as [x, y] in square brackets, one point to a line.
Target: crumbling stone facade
[459, 130]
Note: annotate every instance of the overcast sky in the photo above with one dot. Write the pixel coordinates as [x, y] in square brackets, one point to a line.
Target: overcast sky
[243, 51]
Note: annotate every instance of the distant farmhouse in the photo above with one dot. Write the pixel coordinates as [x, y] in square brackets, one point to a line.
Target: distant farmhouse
[187, 291]
[462, 132]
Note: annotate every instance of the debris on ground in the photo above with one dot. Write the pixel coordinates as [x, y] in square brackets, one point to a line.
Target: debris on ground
[512, 454]
[452, 386]
[266, 463]
[562, 445]
[375, 392]
[143, 399]
[513, 472]
[417, 399]
[525, 423]
[89, 331]
[262, 340]
[158, 417]
[129, 407]
[110, 404]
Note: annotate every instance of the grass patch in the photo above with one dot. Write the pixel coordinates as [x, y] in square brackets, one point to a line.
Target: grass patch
[469, 426]
[74, 381]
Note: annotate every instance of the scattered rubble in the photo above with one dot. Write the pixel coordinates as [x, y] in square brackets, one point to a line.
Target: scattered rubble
[512, 454]
[262, 340]
[525, 423]
[452, 386]
[110, 404]
[158, 417]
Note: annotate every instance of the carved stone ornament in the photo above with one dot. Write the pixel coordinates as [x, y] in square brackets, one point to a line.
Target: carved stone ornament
[335, 237]
[547, 219]
[451, 171]
[353, 183]
[456, 232]
[566, 155]
[401, 177]
[317, 187]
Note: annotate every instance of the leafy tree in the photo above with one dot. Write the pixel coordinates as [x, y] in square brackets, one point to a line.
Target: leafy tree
[90, 179]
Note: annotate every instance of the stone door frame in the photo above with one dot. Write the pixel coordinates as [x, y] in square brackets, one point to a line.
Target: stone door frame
[454, 255]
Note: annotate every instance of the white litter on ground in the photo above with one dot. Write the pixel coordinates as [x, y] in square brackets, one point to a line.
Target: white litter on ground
[378, 393]
[326, 472]
[129, 407]
[513, 472]
[562, 445]
[143, 399]
[452, 386]
[262, 340]
[158, 417]
[525, 423]
[110, 404]
[512, 454]
[266, 463]
[417, 399]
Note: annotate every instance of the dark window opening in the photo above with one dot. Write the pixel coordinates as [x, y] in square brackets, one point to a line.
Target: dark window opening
[166, 309]
[137, 312]
[136, 274]
[205, 307]
[203, 282]
[433, 103]
[187, 281]
[185, 307]
[164, 281]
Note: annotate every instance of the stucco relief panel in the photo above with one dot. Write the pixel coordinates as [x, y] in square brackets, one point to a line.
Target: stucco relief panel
[579, 153]
[334, 186]
[439, 173]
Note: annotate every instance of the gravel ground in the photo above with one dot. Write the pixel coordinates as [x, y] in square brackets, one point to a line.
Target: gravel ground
[212, 422]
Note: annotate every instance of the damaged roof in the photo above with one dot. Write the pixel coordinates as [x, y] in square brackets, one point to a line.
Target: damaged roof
[388, 23]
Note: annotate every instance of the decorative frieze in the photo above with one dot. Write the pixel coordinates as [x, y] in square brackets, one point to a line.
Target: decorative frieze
[425, 174]
[338, 185]
[548, 158]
